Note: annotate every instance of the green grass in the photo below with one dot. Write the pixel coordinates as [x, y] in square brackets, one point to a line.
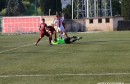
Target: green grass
[96, 53]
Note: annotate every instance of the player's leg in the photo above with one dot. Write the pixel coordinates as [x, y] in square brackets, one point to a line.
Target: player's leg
[38, 40]
[79, 38]
[68, 40]
[75, 38]
[50, 39]
[41, 35]
[55, 36]
[64, 32]
[49, 36]
[53, 33]
[61, 33]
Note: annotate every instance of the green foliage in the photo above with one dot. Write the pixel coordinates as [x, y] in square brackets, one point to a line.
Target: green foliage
[29, 7]
[42, 7]
[15, 8]
[39, 11]
[126, 9]
[2, 4]
[54, 5]
[116, 7]
[45, 5]
[58, 6]
[67, 12]
[31, 1]
[3, 12]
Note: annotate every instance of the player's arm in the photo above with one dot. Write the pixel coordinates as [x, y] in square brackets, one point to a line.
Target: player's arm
[55, 23]
[40, 28]
[45, 26]
[48, 30]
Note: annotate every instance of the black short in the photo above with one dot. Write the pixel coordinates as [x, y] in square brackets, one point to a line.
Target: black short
[67, 40]
[44, 33]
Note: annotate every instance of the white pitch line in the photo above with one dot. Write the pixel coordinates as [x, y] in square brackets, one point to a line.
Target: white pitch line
[44, 75]
[19, 47]
[16, 48]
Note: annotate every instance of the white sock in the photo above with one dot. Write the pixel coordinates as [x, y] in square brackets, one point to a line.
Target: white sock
[62, 35]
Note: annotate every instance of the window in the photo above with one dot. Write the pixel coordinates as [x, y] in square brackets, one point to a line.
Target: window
[107, 20]
[90, 20]
[99, 20]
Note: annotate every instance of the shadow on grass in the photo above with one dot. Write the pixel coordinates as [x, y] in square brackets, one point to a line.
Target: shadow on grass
[103, 42]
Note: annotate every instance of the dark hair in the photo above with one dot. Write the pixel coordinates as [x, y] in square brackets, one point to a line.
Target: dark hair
[57, 15]
[43, 19]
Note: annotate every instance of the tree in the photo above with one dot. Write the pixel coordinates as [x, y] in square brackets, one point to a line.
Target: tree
[126, 9]
[58, 6]
[2, 4]
[54, 5]
[15, 8]
[116, 7]
[67, 12]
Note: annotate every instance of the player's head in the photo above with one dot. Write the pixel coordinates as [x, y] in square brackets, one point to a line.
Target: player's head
[43, 20]
[57, 16]
[60, 14]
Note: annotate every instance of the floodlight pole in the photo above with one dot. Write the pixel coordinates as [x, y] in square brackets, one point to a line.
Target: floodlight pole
[35, 7]
[87, 8]
[72, 9]
[49, 12]
[111, 7]
[95, 8]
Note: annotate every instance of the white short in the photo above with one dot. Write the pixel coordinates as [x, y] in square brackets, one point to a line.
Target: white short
[61, 28]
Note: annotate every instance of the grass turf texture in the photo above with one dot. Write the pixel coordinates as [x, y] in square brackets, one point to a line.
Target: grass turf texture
[96, 53]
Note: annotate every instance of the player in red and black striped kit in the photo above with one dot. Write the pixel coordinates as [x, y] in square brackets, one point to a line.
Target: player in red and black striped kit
[51, 30]
[46, 30]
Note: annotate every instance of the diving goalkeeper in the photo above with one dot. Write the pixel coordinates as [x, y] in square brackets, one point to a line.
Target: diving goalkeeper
[67, 40]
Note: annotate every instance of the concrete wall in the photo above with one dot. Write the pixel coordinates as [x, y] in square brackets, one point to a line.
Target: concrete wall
[75, 25]
[93, 24]
[49, 19]
[115, 22]
[71, 25]
[123, 25]
[99, 24]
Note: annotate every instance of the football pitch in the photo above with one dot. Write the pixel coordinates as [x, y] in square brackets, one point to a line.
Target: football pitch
[98, 58]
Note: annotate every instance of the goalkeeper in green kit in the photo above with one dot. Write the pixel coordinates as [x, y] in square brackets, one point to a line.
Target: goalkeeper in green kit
[67, 40]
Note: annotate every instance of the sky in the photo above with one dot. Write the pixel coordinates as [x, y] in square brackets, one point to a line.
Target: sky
[65, 3]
